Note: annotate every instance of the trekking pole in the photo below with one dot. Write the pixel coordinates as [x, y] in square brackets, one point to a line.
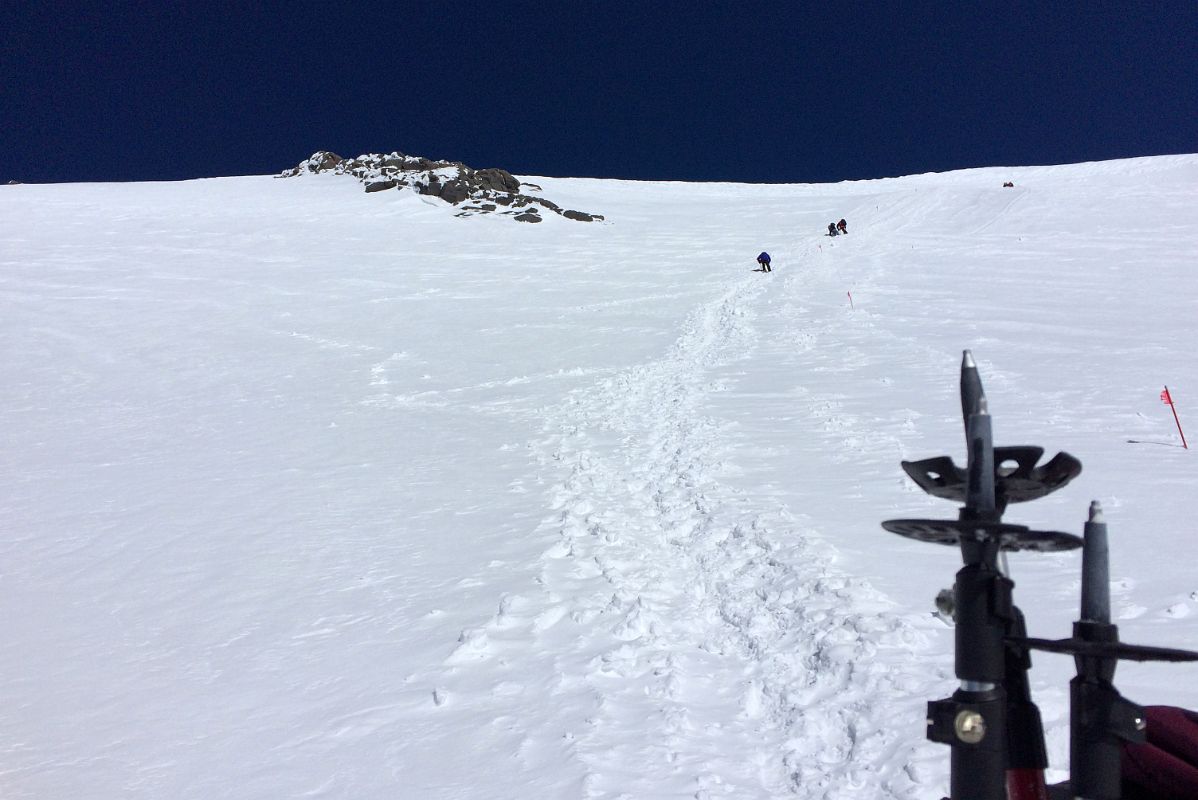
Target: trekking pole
[974, 722]
[978, 707]
[1098, 716]
[1027, 755]
[1100, 719]
[991, 645]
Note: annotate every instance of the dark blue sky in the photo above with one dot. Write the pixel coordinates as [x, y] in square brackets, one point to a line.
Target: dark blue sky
[778, 91]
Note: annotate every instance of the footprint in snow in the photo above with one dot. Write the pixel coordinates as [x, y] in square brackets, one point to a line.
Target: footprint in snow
[473, 645]
[1177, 611]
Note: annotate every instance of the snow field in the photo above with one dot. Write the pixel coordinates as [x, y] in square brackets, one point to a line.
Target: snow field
[318, 493]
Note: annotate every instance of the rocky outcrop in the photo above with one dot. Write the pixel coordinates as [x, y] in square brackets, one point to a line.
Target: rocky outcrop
[498, 180]
[452, 181]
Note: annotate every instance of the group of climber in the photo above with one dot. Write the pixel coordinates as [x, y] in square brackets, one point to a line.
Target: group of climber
[834, 229]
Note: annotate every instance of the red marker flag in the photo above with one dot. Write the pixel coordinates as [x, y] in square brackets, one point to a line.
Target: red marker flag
[1167, 399]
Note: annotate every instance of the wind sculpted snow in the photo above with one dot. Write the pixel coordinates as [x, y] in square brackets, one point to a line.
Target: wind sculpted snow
[317, 493]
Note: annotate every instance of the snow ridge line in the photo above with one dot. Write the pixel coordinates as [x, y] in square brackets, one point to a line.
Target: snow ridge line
[682, 624]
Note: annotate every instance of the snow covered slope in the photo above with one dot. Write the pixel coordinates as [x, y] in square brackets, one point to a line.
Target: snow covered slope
[316, 493]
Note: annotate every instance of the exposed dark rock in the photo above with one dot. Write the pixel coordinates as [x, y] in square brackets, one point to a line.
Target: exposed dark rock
[454, 192]
[380, 186]
[528, 216]
[323, 161]
[498, 180]
[580, 216]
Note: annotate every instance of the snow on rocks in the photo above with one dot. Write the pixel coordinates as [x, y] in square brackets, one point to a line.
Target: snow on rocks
[451, 181]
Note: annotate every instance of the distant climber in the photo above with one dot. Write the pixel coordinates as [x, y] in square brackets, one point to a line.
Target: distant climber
[842, 226]
[831, 228]
[1008, 185]
[764, 261]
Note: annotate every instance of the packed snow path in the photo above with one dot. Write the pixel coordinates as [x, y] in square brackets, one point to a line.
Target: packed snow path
[694, 644]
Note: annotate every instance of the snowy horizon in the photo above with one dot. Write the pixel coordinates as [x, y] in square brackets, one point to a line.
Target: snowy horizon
[318, 493]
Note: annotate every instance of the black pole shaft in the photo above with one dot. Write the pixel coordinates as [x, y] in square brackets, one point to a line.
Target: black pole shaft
[978, 765]
[1094, 749]
[982, 596]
